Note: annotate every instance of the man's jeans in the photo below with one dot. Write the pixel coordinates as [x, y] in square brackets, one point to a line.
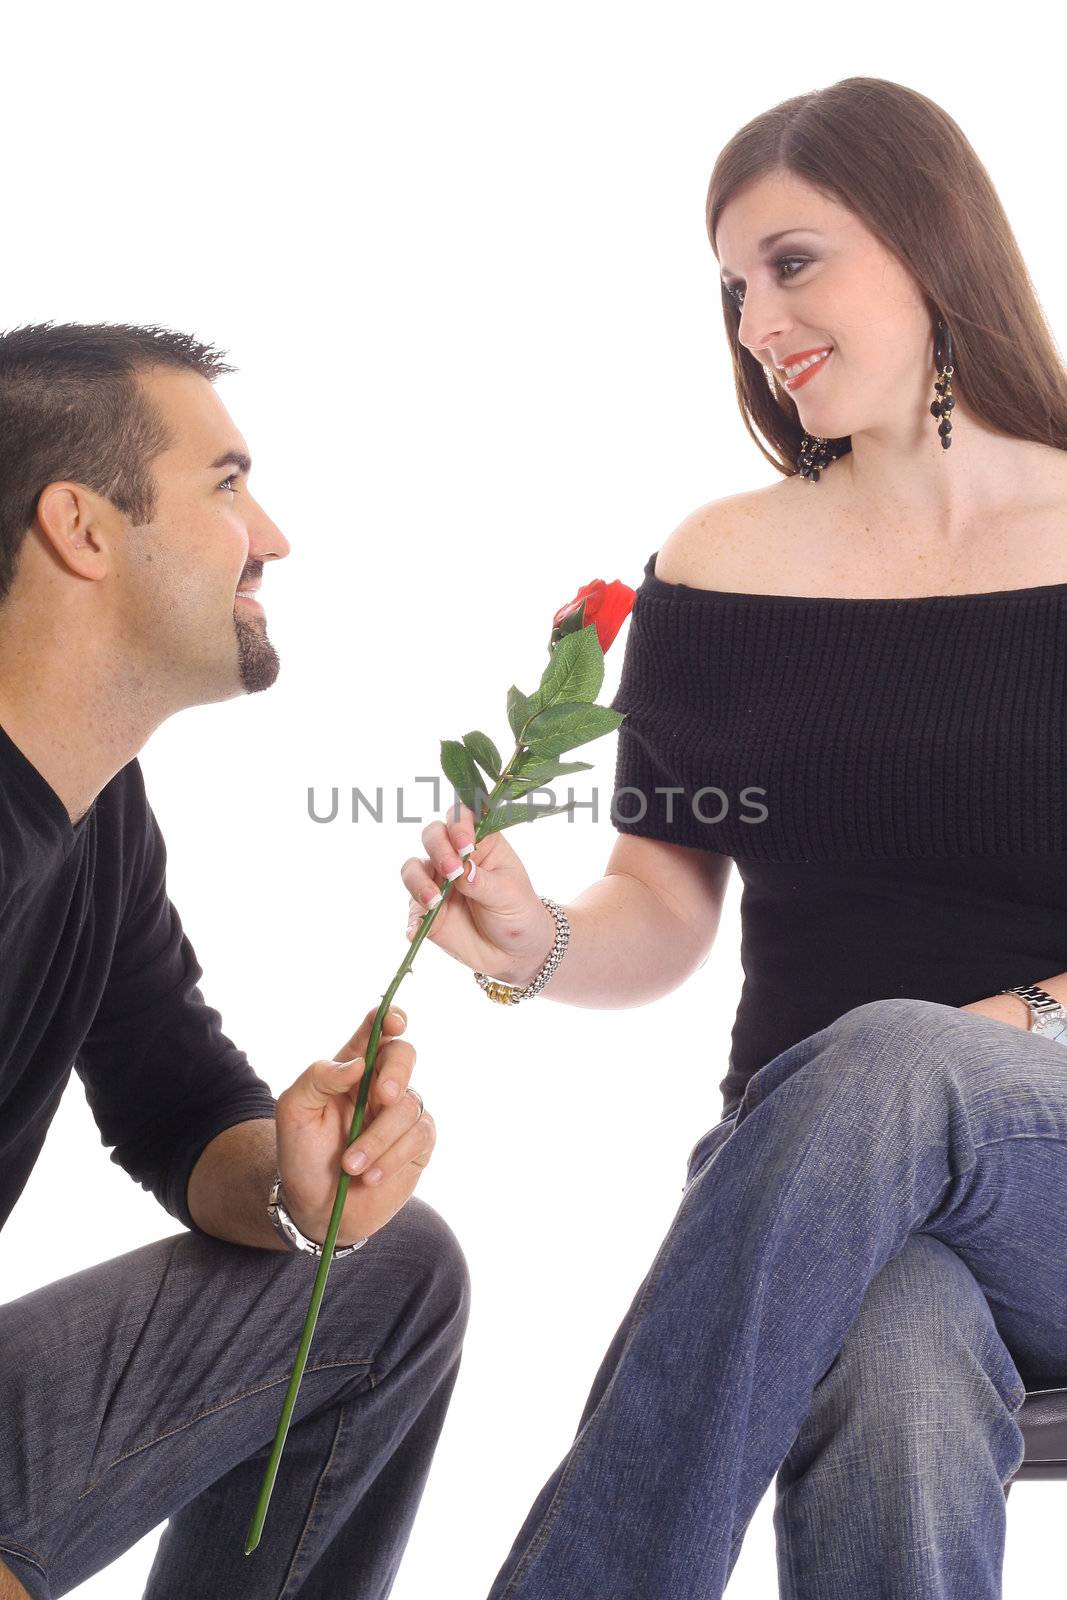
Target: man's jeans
[868, 1263]
[149, 1387]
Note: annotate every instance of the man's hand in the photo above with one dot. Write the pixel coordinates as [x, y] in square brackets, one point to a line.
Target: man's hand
[314, 1116]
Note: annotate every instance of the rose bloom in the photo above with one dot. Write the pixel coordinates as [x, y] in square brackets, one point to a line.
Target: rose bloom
[606, 604]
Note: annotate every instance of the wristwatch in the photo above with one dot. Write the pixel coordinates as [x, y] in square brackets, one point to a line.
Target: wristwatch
[288, 1230]
[1047, 1016]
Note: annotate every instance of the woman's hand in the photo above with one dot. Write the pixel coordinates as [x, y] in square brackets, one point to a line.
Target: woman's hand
[493, 920]
[314, 1116]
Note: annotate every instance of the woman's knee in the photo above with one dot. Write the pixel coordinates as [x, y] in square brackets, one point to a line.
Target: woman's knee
[896, 1031]
[890, 1053]
[871, 1058]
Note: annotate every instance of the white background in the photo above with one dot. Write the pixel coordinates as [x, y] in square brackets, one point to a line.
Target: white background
[458, 254]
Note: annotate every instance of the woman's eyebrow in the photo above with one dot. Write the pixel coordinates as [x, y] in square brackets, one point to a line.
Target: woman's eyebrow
[769, 241]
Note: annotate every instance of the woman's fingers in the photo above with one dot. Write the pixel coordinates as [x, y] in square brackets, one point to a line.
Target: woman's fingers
[417, 878]
[450, 844]
[375, 1146]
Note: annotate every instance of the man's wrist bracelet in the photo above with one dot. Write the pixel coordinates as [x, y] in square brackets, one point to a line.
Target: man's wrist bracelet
[509, 994]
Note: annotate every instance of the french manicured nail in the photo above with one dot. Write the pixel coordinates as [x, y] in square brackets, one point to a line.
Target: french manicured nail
[435, 900]
[465, 849]
[343, 1066]
[356, 1163]
[457, 872]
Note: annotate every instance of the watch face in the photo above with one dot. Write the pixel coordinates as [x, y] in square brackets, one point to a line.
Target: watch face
[1053, 1025]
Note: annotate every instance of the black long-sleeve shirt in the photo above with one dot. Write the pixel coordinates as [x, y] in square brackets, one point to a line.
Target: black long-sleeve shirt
[888, 775]
[97, 974]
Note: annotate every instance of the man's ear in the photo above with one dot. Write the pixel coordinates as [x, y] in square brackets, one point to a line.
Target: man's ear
[77, 527]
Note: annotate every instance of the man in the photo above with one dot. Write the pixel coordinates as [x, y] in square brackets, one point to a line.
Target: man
[150, 1387]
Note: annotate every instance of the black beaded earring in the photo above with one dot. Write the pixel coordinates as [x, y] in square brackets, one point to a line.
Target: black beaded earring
[942, 407]
[815, 454]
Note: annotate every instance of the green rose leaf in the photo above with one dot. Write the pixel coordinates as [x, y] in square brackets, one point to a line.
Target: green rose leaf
[533, 770]
[575, 671]
[457, 763]
[562, 727]
[510, 816]
[518, 715]
[485, 752]
[513, 789]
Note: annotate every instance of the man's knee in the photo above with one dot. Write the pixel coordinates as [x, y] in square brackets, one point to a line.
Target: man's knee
[420, 1269]
[435, 1249]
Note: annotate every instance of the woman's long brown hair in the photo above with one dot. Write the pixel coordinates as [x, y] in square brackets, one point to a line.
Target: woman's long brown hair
[900, 163]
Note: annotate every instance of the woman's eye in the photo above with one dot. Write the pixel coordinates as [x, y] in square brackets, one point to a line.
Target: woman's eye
[227, 483]
[736, 292]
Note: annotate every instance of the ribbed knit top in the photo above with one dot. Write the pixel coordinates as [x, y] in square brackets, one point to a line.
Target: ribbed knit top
[887, 774]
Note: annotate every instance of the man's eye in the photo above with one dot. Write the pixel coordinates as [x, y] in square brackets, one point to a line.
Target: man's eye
[736, 291]
[227, 483]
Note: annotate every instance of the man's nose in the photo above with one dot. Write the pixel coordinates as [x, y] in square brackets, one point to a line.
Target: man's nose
[266, 538]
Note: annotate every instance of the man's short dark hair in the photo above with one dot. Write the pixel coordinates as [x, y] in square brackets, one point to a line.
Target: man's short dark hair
[71, 408]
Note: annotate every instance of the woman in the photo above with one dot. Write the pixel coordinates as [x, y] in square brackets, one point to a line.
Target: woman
[863, 672]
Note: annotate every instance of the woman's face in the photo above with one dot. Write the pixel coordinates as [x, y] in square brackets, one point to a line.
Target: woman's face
[827, 281]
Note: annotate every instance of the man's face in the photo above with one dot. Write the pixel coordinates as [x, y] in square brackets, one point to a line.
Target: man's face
[180, 602]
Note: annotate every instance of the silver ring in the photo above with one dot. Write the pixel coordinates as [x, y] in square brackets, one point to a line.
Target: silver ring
[419, 1098]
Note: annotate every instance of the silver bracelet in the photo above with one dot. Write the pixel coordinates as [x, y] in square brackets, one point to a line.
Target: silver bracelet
[287, 1228]
[509, 994]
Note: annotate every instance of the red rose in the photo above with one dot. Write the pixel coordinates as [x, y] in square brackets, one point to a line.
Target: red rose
[606, 604]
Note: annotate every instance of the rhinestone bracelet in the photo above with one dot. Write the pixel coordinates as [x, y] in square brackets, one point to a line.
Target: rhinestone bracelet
[510, 994]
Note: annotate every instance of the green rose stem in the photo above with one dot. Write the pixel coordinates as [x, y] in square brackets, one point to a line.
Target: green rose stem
[255, 1529]
[559, 715]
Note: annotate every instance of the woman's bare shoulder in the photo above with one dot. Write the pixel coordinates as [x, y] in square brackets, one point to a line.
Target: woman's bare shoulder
[719, 541]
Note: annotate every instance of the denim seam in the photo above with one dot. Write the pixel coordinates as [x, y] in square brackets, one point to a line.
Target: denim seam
[271, 1383]
[24, 1553]
[1007, 1138]
[314, 1502]
[142, 1332]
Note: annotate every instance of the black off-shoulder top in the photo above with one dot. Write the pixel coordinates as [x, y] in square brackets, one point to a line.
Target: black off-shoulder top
[887, 774]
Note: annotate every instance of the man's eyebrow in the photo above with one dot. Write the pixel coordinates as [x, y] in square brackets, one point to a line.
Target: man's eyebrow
[233, 458]
[769, 241]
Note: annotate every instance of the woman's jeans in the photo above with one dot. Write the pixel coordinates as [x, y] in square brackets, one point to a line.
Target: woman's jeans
[150, 1387]
[868, 1264]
